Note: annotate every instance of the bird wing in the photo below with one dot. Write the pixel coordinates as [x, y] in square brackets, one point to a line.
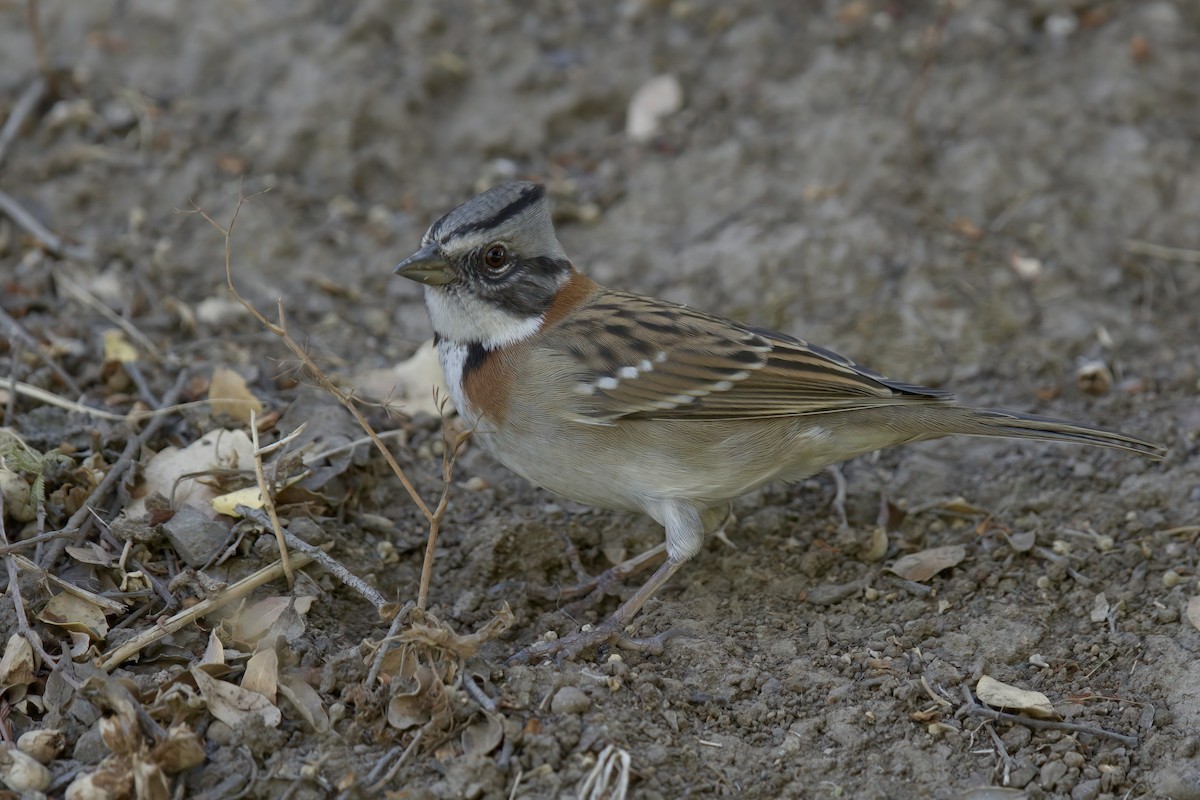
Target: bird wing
[636, 357]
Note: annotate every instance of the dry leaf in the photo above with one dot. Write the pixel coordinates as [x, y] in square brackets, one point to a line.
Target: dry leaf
[228, 395]
[960, 505]
[1026, 268]
[262, 673]
[924, 565]
[410, 385]
[481, 738]
[43, 745]
[306, 701]
[75, 614]
[1020, 542]
[18, 668]
[876, 546]
[22, 773]
[111, 780]
[419, 705]
[254, 622]
[216, 450]
[233, 705]
[250, 497]
[215, 652]
[179, 751]
[91, 553]
[1193, 612]
[17, 494]
[1002, 695]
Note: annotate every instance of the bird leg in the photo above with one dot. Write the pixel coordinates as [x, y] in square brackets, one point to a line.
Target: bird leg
[839, 497]
[611, 631]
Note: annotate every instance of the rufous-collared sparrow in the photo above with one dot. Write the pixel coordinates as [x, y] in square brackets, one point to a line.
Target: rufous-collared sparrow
[627, 402]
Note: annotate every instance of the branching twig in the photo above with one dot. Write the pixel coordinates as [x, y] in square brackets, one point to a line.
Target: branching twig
[432, 517]
[976, 710]
[450, 451]
[298, 350]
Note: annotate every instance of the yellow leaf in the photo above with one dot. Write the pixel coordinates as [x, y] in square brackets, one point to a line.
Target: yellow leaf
[229, 395]
[117, 347]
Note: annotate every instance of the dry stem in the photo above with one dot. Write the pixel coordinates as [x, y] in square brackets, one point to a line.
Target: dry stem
[179, 621]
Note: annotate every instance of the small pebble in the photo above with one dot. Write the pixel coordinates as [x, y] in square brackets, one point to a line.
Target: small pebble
[570, 700]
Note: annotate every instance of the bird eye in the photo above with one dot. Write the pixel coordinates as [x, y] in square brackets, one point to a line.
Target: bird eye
[496, 257]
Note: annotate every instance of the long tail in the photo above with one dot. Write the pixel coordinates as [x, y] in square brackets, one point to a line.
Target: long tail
[998, 422]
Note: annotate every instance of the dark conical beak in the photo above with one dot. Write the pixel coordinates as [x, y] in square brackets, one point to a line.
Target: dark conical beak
[427, 266]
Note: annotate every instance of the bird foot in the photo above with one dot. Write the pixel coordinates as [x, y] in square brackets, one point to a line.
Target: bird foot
[590, 590]
[569, 648]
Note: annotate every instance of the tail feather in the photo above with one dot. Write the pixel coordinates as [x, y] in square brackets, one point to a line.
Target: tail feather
[998, 422]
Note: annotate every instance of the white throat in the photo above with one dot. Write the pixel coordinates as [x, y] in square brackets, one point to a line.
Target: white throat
[462, 318]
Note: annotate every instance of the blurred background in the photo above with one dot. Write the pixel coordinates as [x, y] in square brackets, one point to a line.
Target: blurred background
[998, 196]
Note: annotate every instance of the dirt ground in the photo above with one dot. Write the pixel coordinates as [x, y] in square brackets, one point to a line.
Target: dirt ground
[998, 197]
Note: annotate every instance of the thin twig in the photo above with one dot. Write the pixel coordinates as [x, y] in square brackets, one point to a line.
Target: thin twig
[335, 568]
[377, 787]
[268, 501]
[48, 240]
[323, 559]
[96, 304]
[450, 451]
[231, 594]
[49, 398]
[976, 710]
[14, 591]
[1140, 248]
[18, 333]
[111, 606]
[1001, 751]
[32, 542]
[24, 106]
[40, 50]
[476, 691]
[377, 662]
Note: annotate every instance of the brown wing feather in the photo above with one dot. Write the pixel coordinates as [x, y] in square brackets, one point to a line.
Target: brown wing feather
[638, 357]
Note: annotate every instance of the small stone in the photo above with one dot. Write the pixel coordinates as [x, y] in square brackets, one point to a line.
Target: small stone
[1052, 772]
[570, 700]
[196, 538]
[220, 734]
[1086, 790]
[1021, 776]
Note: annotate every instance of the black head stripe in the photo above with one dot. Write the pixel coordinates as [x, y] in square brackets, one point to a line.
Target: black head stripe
[465, 219]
